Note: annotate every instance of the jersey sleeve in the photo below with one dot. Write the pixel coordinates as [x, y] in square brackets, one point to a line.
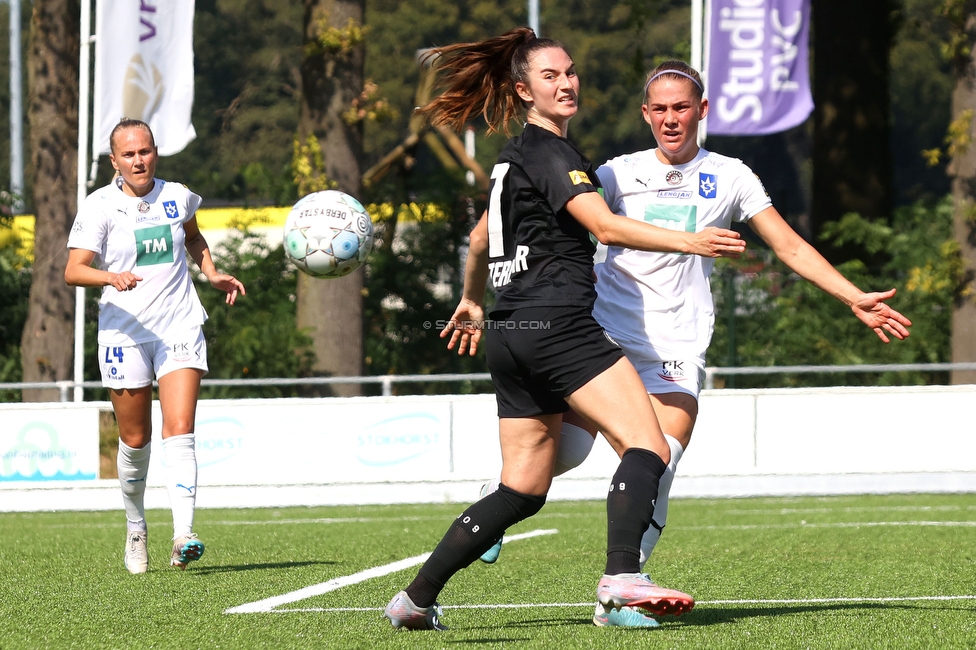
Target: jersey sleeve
[750, 194]
[562, 172]
[88, 230]
[193, 203]
[608, 181]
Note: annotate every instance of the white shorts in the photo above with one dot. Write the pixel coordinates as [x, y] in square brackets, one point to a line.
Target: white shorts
[675, 376]
[135, 366]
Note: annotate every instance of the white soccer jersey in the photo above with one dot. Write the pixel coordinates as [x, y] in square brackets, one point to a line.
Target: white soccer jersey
[143, 235]
[659, 305]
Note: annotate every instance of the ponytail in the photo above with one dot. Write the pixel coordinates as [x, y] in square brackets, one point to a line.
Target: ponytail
[481, 77]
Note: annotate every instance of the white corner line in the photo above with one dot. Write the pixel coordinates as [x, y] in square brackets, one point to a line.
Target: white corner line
[268, 604]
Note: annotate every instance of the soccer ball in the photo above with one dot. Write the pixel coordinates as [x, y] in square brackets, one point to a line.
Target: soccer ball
[328, 234]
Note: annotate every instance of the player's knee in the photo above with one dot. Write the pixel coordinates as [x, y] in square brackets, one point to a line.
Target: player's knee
[575, 444]
[522, 506]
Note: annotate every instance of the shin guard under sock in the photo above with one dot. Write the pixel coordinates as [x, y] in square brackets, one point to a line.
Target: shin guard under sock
[630, 506]
[472, 533]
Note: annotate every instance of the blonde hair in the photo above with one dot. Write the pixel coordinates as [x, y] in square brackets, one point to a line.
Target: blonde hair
[130, 123]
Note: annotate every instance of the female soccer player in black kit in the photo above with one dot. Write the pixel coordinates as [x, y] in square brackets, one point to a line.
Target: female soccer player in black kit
[546, 353]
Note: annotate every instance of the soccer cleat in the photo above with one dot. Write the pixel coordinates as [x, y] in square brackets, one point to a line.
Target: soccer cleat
[491, 555]
[637, 590]
[136, 552]
[404, 614]
[186, 548]
[623, 617]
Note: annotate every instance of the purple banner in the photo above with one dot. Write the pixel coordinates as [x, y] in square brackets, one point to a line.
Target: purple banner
[757, 66]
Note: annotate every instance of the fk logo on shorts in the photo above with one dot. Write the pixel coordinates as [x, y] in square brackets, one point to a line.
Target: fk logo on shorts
[673, 371]
[181, 352]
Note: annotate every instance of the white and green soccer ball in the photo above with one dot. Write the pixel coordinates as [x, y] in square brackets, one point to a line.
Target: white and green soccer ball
[328, 234]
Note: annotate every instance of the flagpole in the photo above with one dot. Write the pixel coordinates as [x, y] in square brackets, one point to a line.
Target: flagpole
[697, 52]
[84, 64]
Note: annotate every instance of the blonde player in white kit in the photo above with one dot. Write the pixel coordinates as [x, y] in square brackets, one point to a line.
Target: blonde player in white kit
[658, 306]
[138, 229]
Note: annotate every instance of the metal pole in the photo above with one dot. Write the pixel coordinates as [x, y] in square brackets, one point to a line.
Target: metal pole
[534, 17]
[84, 89]
[469, 149]
[698, 53]
[16, 111]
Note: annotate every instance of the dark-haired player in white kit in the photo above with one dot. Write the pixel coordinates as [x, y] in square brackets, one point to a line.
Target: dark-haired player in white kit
[139, 228]
[546, 353]
[658, 305]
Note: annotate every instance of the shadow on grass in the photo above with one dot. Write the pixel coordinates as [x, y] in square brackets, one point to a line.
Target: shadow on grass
[714, 616]
[230, 568]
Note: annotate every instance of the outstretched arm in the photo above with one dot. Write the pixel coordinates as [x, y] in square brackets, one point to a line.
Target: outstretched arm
[465, 325]
[801, 257]
[613, 230]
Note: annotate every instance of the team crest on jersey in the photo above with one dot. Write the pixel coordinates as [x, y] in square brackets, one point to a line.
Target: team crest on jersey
[169, 207]
[673, 177]
[707, 185]
[578, 177]
[673, 371]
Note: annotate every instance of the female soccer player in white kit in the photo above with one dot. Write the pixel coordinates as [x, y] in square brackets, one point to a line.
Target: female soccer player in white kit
[150, 324]
[658, 306]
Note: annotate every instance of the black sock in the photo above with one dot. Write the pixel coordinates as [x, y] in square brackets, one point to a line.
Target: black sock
[630, 506]
[472, 533]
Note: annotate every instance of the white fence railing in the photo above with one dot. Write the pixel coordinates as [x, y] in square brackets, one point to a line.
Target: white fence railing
[65, 388]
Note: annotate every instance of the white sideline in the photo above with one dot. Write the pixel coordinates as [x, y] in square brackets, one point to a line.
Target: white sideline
[790, 601]
[269, 604]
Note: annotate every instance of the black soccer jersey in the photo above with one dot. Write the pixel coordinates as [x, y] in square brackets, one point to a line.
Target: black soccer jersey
[539, 255]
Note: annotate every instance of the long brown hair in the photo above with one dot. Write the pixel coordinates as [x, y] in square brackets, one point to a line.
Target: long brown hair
[481, 77]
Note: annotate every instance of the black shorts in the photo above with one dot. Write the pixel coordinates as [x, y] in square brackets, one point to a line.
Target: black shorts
[537, 356]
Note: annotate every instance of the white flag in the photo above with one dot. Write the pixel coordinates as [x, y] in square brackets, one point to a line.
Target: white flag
[144, 69]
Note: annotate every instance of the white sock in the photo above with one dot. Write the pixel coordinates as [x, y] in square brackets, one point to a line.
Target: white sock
[181, 480]
[133, 466]
[660, 518]
[575, 444]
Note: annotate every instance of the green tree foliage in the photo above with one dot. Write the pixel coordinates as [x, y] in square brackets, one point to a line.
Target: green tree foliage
[15, 279]
[411, 284]
[921, 98]
[774, 318]
[256, 337]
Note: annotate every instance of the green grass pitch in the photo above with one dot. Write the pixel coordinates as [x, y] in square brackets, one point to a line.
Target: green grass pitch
[896, 571]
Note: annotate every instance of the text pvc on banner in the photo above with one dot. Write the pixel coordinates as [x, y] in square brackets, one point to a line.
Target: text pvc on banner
[757, 67]
[144, 70]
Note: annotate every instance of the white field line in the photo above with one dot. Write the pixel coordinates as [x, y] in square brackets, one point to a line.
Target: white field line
[792, 601]
[819, 511]
[847, 524]
[269, 604]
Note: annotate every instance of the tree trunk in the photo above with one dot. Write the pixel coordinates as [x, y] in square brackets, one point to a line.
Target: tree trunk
[331, 309]
[852, 167]
[962, 169]
[46, 344]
